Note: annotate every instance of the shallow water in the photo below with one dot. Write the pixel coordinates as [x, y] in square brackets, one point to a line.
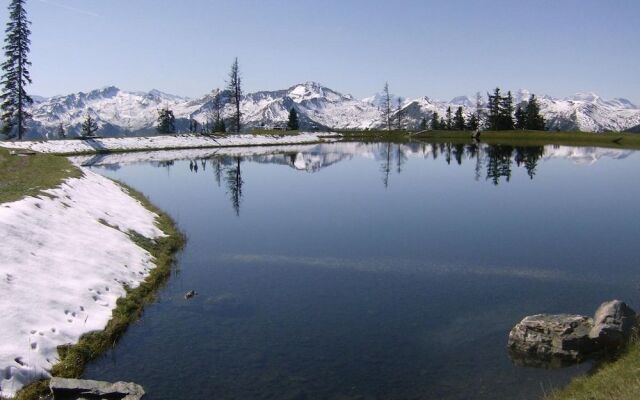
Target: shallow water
[374, 270]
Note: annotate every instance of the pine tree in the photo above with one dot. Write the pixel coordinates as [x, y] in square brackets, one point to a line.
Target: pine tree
[423, 124]
[216, 109]
[458, 120]
[473, 124]
[89, 126]
[386, 105]
[521, 118]
[479, 111]
[166, 121]
[435, 121]
[60, 132]
[443, 125]
[506, 113]
[449, 123]
[15, 73]
[293, 124]
[493, 111]
[235, 87]
[399, 113]
[535, 121]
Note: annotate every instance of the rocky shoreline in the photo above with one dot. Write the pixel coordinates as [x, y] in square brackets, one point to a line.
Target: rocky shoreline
[548, 341]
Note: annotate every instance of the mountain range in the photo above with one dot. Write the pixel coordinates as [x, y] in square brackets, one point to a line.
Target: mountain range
[121, 112]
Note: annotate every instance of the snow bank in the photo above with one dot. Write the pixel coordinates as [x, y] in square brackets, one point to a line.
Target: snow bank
[157, 143]
[62, 270]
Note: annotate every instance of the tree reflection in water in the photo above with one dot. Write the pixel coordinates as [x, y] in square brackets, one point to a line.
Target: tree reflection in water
[495, 161]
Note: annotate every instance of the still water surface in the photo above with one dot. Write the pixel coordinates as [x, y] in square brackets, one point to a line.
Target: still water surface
[374, 271]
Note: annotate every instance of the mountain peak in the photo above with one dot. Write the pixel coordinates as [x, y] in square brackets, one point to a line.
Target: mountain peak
[588, 97]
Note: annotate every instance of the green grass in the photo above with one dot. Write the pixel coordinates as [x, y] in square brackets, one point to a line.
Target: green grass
[73, 358]
[273, 132]
[29, 175]
[522, 138]
[616, 380]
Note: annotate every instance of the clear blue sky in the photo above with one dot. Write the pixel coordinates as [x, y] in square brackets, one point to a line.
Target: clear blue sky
[435, 48]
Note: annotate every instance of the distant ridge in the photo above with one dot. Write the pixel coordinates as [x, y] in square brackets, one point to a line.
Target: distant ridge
[124, 113]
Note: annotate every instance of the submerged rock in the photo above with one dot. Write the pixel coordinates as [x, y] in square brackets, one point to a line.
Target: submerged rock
[613, 324]
[562, 337]
[77, 389]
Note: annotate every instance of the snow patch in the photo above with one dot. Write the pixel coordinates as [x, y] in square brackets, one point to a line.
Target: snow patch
[63, 269]
[158, 143]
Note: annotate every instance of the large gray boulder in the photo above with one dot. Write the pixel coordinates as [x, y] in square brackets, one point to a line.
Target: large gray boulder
[563, 337]
[80, 389]
[613, 324]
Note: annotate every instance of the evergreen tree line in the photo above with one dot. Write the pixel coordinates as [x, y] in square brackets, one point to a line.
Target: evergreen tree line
[498, 114]
[501, 113]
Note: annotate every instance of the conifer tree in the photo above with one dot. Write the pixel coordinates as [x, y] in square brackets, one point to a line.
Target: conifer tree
[435, 121]
[473, 124]
[216, 109]
[235, 88]
[293, 124]
[521, 118]
[449, 123]
[15, 74]
[399, 113]
[479, 114]
[60, 132]
[534, 120]
[458, 120]
[506, 112]
[166, 121]
[89, 126]
[423, 124]
[386, 106]
[493, 109]
[443, 125]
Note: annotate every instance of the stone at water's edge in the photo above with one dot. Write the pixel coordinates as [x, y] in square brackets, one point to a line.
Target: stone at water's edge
[613, 323]
[564, 337]
[76, 389]
[545, 340]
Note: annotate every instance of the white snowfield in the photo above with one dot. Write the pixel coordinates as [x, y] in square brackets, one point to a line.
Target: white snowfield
[62, 270]
[180, 141]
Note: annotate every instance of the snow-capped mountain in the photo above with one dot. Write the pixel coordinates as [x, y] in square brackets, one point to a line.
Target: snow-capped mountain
[120, 112]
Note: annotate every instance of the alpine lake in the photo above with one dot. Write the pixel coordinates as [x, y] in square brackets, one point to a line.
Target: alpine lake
[374, 270]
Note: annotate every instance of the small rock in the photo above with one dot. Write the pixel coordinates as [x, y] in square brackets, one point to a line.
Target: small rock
[613, 323]
[190, 294]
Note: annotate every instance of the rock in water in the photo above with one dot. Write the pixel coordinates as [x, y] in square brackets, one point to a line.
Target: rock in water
[190, 294]
[562, 337]
[613, 324]
[76, 389]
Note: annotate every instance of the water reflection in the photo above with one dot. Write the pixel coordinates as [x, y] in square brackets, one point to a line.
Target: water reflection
[495, 163]
[373, 270]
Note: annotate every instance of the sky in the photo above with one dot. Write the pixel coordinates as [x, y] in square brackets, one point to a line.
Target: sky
[439, 49]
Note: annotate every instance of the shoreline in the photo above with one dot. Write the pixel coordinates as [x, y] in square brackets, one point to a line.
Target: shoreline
[69, 147]
[117, 241]
[72, 359]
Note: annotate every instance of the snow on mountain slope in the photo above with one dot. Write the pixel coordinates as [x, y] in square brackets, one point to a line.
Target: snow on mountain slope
[121, 113]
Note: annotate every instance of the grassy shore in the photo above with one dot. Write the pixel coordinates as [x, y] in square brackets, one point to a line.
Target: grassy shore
[522, 138]
[28, 175]
[74, 358]
[22, 176]
[616, 380]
